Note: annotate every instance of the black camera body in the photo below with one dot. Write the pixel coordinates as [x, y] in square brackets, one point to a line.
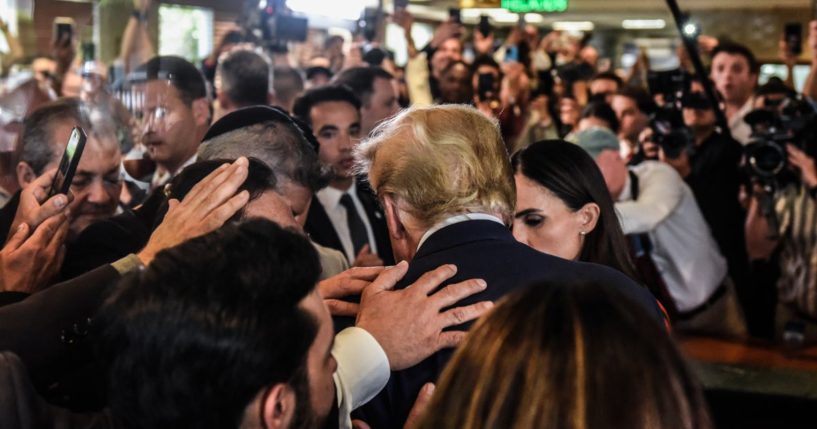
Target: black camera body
[792, 121]
[667, 123]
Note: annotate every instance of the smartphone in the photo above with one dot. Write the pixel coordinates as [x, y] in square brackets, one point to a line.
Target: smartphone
[512, 54]
[401, 4]
[793, 34]
[454, 15]
[68, 164]
[484, 26]
[485, 85]
[63, 28]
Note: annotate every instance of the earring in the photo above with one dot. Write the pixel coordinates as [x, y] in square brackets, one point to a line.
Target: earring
[582, 233]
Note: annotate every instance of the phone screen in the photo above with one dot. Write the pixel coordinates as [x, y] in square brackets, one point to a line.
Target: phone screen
[68, 164]
[512, 54]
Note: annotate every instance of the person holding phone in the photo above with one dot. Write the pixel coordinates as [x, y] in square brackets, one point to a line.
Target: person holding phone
[97, 184]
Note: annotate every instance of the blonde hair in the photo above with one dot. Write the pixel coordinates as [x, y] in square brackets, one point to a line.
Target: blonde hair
[440, 161]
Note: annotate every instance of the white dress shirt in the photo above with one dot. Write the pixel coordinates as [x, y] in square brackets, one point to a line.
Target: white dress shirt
[330, 200]
[684, 251]
[741, 131]
[363, 371]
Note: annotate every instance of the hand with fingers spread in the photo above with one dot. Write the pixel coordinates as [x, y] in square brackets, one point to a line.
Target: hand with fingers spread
[365, 258]
[35, 206]
[205, 208]
[29, 261]
[408, 323]
[348, 283]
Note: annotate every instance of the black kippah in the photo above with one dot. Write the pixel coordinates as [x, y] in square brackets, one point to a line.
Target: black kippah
[249, 116]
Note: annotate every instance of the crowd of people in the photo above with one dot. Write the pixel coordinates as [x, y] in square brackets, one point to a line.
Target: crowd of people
[511, 241]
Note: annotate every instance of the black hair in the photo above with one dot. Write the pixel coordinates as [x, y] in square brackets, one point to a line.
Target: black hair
[185, 77]
[245, 78]
[603, 111]
[641, 97]
[361, 81]
[324, 94]
[572, 175]
[485, 60]
[260, 179]
[733, 48]
[208, 325]
[608, 75]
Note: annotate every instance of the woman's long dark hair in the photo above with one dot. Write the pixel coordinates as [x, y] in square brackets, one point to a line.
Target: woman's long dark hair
[571, 174]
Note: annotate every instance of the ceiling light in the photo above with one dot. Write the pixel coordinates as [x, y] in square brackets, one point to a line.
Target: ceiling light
[643, 24]
[573, 26]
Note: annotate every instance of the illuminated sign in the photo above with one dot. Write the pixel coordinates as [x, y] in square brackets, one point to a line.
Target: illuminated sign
[522, 6]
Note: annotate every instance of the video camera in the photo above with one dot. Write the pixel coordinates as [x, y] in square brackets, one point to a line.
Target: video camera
[273, 26]
[667, 123]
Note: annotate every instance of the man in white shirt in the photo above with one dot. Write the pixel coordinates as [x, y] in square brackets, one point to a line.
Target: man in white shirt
[175, 114]
[734, 71]
[651, 198]
[344, 215]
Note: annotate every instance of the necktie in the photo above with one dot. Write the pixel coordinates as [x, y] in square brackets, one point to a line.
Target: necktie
[357, 229]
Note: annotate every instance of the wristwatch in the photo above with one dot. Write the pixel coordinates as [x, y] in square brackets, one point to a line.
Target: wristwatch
[140, 15]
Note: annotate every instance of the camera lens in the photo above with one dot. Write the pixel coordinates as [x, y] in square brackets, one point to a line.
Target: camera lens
[767, 159]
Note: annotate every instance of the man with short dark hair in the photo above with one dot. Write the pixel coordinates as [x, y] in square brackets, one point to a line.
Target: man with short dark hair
[344, 215]
[287, 85]
[242, 79]
[734, 70]
[633, 107]
[175, 114]
[604, 85]
[276, 371]
[377, 91]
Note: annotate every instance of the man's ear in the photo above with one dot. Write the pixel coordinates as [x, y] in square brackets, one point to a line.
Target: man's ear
[25, 174]
[397, 231]
[278, 407]
[588, 217]
[201, 112]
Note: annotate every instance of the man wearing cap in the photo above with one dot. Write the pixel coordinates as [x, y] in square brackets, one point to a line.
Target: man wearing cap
[651, 198]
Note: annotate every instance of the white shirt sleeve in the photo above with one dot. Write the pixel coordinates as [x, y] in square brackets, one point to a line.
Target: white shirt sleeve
[417, 80]
[363, 371]
[661, 190]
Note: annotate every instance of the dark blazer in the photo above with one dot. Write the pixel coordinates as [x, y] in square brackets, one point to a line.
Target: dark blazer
[487, 250]
[7, 216]
[320, 228]
[49, 330]
[22, 408]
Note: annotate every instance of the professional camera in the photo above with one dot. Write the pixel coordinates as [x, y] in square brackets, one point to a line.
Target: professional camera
[790, 120]
[273, 25]
[667, 123]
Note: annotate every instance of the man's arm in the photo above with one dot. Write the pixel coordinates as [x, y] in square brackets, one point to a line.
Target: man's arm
[660, 194]
[136, 47]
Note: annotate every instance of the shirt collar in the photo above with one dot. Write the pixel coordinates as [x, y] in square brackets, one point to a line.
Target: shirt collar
[457, 219]
[330, 197]
[160, 178]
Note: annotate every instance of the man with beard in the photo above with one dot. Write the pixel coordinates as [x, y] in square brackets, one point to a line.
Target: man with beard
[175, 114]
[97, 183]
[345, 215]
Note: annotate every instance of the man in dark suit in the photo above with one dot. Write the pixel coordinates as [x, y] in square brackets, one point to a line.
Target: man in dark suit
[448, 194]
[345, 215]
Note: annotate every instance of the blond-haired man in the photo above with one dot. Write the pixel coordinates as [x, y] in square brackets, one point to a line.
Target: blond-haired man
[445, 182]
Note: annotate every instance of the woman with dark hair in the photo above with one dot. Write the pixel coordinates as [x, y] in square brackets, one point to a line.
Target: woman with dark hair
[563, 206]
[567, 356]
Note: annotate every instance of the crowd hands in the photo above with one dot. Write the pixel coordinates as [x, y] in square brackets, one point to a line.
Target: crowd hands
[360, 286]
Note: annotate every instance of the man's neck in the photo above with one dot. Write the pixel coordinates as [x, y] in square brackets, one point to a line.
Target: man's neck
[734, 106]
[173, 168]
[342, 184]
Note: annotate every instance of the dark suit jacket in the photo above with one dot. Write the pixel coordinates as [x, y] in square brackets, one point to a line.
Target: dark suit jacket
[320, 228]
[487, 250]
[22, 408]
[7, 216]
[48, 332]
